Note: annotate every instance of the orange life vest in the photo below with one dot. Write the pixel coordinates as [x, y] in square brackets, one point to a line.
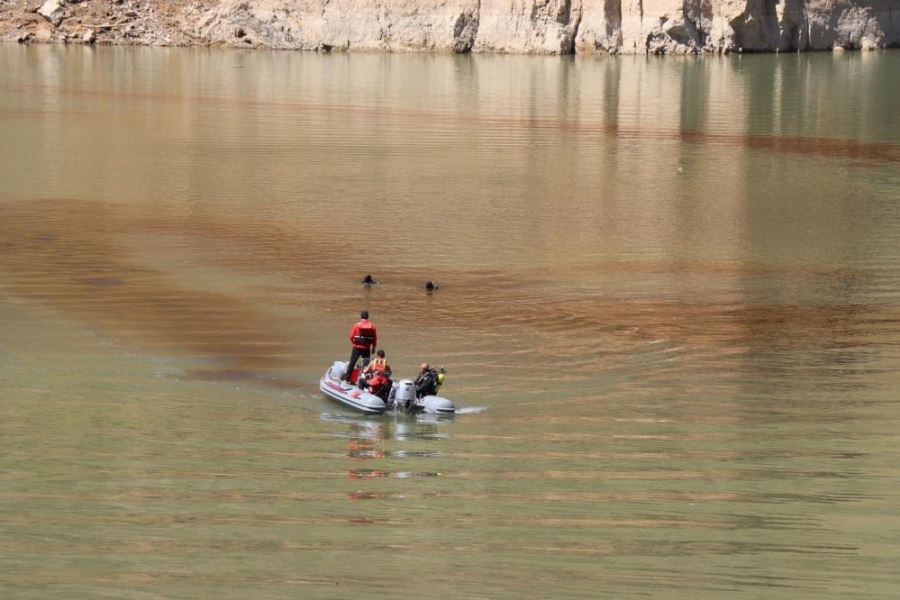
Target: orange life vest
[378, 365]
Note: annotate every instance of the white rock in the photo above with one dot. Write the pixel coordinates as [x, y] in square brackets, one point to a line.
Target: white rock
[53, 11]
[868, 43]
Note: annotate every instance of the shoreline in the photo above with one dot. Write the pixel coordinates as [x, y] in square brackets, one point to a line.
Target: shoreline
[71, 42]
[540, 27]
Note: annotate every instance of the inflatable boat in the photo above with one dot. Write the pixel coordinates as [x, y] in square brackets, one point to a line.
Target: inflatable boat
[402, 396]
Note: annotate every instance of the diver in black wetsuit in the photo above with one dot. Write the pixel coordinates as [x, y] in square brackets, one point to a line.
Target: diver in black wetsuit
[427, 381]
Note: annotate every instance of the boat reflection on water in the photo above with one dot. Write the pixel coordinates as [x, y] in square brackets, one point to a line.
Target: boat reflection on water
[398, 426]
[365, 442]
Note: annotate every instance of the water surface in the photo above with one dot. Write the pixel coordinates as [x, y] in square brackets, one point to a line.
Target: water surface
[669, 303]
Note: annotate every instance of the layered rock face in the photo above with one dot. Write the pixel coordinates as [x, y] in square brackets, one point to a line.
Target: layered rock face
[343, 24]
[516, 26]
[690, 26]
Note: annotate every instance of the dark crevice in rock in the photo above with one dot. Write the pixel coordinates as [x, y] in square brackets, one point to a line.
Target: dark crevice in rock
[612, 10]
[465, 30]
[575, 26]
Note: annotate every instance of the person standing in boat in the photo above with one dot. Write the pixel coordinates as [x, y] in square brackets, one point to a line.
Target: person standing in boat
[363, 337]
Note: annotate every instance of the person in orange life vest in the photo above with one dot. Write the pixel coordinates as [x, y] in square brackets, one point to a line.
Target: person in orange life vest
[363, 337]
[378, 376]
[378, 365]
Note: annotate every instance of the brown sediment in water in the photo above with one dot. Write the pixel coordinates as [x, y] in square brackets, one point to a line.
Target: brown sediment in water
[66, 254]
[71, 255]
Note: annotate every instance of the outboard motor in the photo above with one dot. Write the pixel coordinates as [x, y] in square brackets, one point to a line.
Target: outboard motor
[404, 393]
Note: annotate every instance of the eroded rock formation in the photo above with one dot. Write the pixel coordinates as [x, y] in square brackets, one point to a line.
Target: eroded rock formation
[516, 26]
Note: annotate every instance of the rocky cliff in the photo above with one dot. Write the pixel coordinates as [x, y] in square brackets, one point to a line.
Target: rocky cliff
[520, 26]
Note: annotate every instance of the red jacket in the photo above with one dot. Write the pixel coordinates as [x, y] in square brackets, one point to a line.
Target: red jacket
[377, 382]
[363, 334]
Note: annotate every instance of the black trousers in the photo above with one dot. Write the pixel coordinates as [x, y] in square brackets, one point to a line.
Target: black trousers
[356, 354]
[385, 392]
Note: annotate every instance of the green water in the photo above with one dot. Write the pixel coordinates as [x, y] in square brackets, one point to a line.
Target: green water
[669, 306]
